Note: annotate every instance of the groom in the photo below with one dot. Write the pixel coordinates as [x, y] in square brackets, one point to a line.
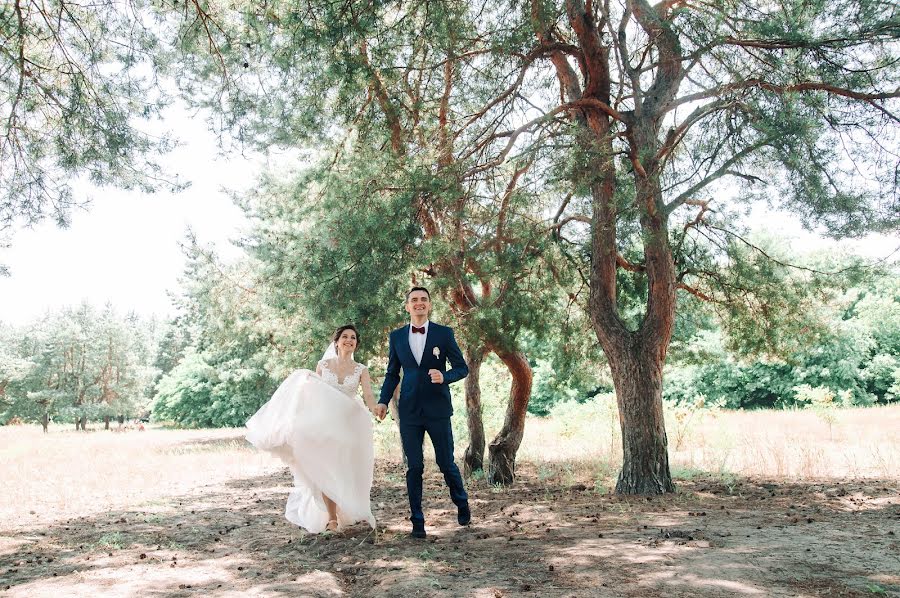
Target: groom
[423, 349]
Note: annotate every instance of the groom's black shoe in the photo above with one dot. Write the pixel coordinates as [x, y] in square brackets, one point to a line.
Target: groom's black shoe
[418, 530]
[464, 515]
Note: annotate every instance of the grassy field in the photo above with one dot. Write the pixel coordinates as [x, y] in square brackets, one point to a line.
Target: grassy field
[792, 445]
[768, 504]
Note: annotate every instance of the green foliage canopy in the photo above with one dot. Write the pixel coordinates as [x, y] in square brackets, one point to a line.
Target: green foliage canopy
[79, 81]
[76, 363]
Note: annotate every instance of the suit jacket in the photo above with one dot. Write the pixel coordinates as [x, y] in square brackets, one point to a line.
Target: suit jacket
[419, 397]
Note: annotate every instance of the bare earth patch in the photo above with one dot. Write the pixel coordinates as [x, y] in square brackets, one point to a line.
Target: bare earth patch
[225, 535]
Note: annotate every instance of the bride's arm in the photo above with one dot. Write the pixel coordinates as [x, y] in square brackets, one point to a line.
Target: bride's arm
[368, 396]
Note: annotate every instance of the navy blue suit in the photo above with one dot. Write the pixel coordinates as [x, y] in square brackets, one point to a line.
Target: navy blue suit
[425, 407]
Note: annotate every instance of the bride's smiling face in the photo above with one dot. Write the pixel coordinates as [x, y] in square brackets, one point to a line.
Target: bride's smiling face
[347, 341]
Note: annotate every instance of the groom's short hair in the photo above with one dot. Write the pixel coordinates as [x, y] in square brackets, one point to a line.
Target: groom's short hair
[414, 289]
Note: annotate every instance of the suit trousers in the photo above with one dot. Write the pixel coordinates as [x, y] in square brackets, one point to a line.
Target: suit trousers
[412, 434]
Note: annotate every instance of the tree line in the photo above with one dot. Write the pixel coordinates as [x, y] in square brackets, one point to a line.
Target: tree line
[76, 365]
[216, 362]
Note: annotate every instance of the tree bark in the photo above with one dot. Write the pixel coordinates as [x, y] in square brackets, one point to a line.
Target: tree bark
[45, 422]
[106, 422]
[502, 451]
[474, 458]
[636, 358]
[637, 376]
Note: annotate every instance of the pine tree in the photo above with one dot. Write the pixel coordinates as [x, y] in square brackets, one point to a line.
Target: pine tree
[79, 88]
[620, 126]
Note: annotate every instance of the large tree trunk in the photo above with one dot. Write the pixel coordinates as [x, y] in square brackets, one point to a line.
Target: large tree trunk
[637, 358]
[637, 375]
[502, 451]
[106, 422]
[474, 458]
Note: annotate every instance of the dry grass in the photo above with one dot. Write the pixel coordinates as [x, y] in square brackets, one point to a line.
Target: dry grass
[67, 473]
[789, 445]
[864, 443]
[199, 512]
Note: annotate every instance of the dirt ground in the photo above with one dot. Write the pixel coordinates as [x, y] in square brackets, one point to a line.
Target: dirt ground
[544, 536]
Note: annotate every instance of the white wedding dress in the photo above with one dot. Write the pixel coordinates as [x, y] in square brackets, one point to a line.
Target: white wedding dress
[322, 431]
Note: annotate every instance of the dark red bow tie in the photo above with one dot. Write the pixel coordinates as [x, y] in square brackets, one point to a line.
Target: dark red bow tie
[418, 330]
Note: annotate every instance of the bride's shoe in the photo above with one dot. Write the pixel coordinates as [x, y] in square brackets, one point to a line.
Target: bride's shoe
[331, 526]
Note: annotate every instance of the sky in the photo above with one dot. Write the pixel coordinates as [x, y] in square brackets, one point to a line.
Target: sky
[124, 249]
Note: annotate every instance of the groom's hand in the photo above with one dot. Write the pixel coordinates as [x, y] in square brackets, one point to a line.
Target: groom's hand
[380, 411]
[437, 377]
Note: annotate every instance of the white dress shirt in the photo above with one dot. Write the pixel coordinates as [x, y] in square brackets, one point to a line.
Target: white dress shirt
[417, 342]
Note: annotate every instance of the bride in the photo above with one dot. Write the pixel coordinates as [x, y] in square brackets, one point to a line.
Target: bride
[317, 426]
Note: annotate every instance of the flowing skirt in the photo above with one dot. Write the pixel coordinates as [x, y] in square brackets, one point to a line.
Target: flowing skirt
[325, 437]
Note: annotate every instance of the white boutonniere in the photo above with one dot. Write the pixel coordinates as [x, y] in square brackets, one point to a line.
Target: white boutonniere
[437, 352]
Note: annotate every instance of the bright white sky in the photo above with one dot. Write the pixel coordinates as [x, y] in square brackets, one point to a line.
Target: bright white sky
[125, 248]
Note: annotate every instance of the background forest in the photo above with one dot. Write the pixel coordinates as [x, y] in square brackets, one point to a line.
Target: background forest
[222, 357]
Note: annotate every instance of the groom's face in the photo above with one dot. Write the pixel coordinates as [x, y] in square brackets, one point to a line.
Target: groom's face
[418, 303]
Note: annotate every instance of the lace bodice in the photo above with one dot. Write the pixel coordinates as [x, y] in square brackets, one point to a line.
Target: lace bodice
[349, 384]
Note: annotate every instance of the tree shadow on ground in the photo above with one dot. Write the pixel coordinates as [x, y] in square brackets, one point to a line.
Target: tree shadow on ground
[544, 536]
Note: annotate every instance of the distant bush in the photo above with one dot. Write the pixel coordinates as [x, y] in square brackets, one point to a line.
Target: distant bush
[858, 360]
[198, 394]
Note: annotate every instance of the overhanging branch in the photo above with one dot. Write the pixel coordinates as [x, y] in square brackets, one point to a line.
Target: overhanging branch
[782, 89]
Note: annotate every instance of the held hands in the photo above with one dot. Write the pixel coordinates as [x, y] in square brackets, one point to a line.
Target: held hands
[380, 410]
